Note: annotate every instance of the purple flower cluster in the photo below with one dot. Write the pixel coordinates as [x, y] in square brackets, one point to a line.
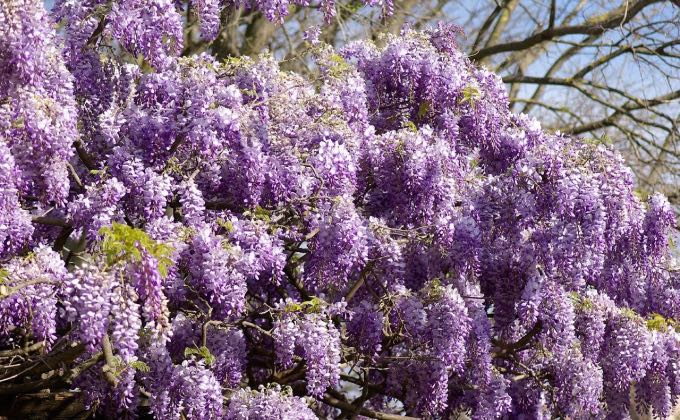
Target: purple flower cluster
[267, 404]
[386, 226]
[98, 207]
[37, 106]
[365, 328]
[214, 274]
[188, 388]
[87, 302]
[33, 305]
[314, 338]
[436, 326]
[340, 247]
[15, 222]
[152, 28]
[148, 283]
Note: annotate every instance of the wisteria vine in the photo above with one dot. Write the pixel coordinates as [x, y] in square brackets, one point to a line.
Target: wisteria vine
[193, 238]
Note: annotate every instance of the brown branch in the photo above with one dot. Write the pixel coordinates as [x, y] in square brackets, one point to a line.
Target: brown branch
[173, 148]
[87, 160]
[502, 22]
[553, 7]
[74, 174]
[60, 241]
[360, 281]
[226, 42]
[43, 404]
[596, 25]
[204, 329]
[506, 348]
[653, 175]
[110, 362]
[256, 327]
[78, 370]
[51, 221]
[344, 405]
[635, 49]
[26, 387]
[257, 35]
[7, 291]
[23, 351]
[46, 363]
[56, 378]
[625, 109]
[221, 205]
[553, 69]
[633, 103]
[485, 26]
[559, 111]
[525, 58]
[579, 83]
[290, 275]
[97, 31]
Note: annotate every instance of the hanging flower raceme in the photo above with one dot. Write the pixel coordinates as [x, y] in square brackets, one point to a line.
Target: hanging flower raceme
[37, 106]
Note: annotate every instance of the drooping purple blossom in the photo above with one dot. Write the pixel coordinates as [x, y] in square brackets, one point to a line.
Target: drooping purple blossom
[339, 248]
[189, 388]
[97, 207]
[38, 107]
[147, 280]
[31, 301]
[152, 28]
[317, 341]
[365, 328]
[267, 404]
[15, 222]
[87, 301]
[214, 274]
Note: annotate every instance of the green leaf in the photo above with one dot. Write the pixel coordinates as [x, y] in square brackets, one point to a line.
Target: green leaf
[337, 59]
[352, 7]
[435, 289]
[659, 323]
[423, 109]
[293, 307]
[411, 125]
[641, 194]
[189, 351]
[581, 302]
[207, 356]
[471, 94]
[596, 141]
[631, 314]
[140, 366]
[262, 214]
[234, 61]
[124, 243]
[315, 304]
[339, 67]
[203, 352]
[226, 225]
[18, 123]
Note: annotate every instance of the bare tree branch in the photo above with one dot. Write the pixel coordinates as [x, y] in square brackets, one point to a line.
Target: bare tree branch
[596, 25]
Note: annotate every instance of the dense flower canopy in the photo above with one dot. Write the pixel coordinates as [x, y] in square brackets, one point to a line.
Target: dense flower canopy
[231, 240]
